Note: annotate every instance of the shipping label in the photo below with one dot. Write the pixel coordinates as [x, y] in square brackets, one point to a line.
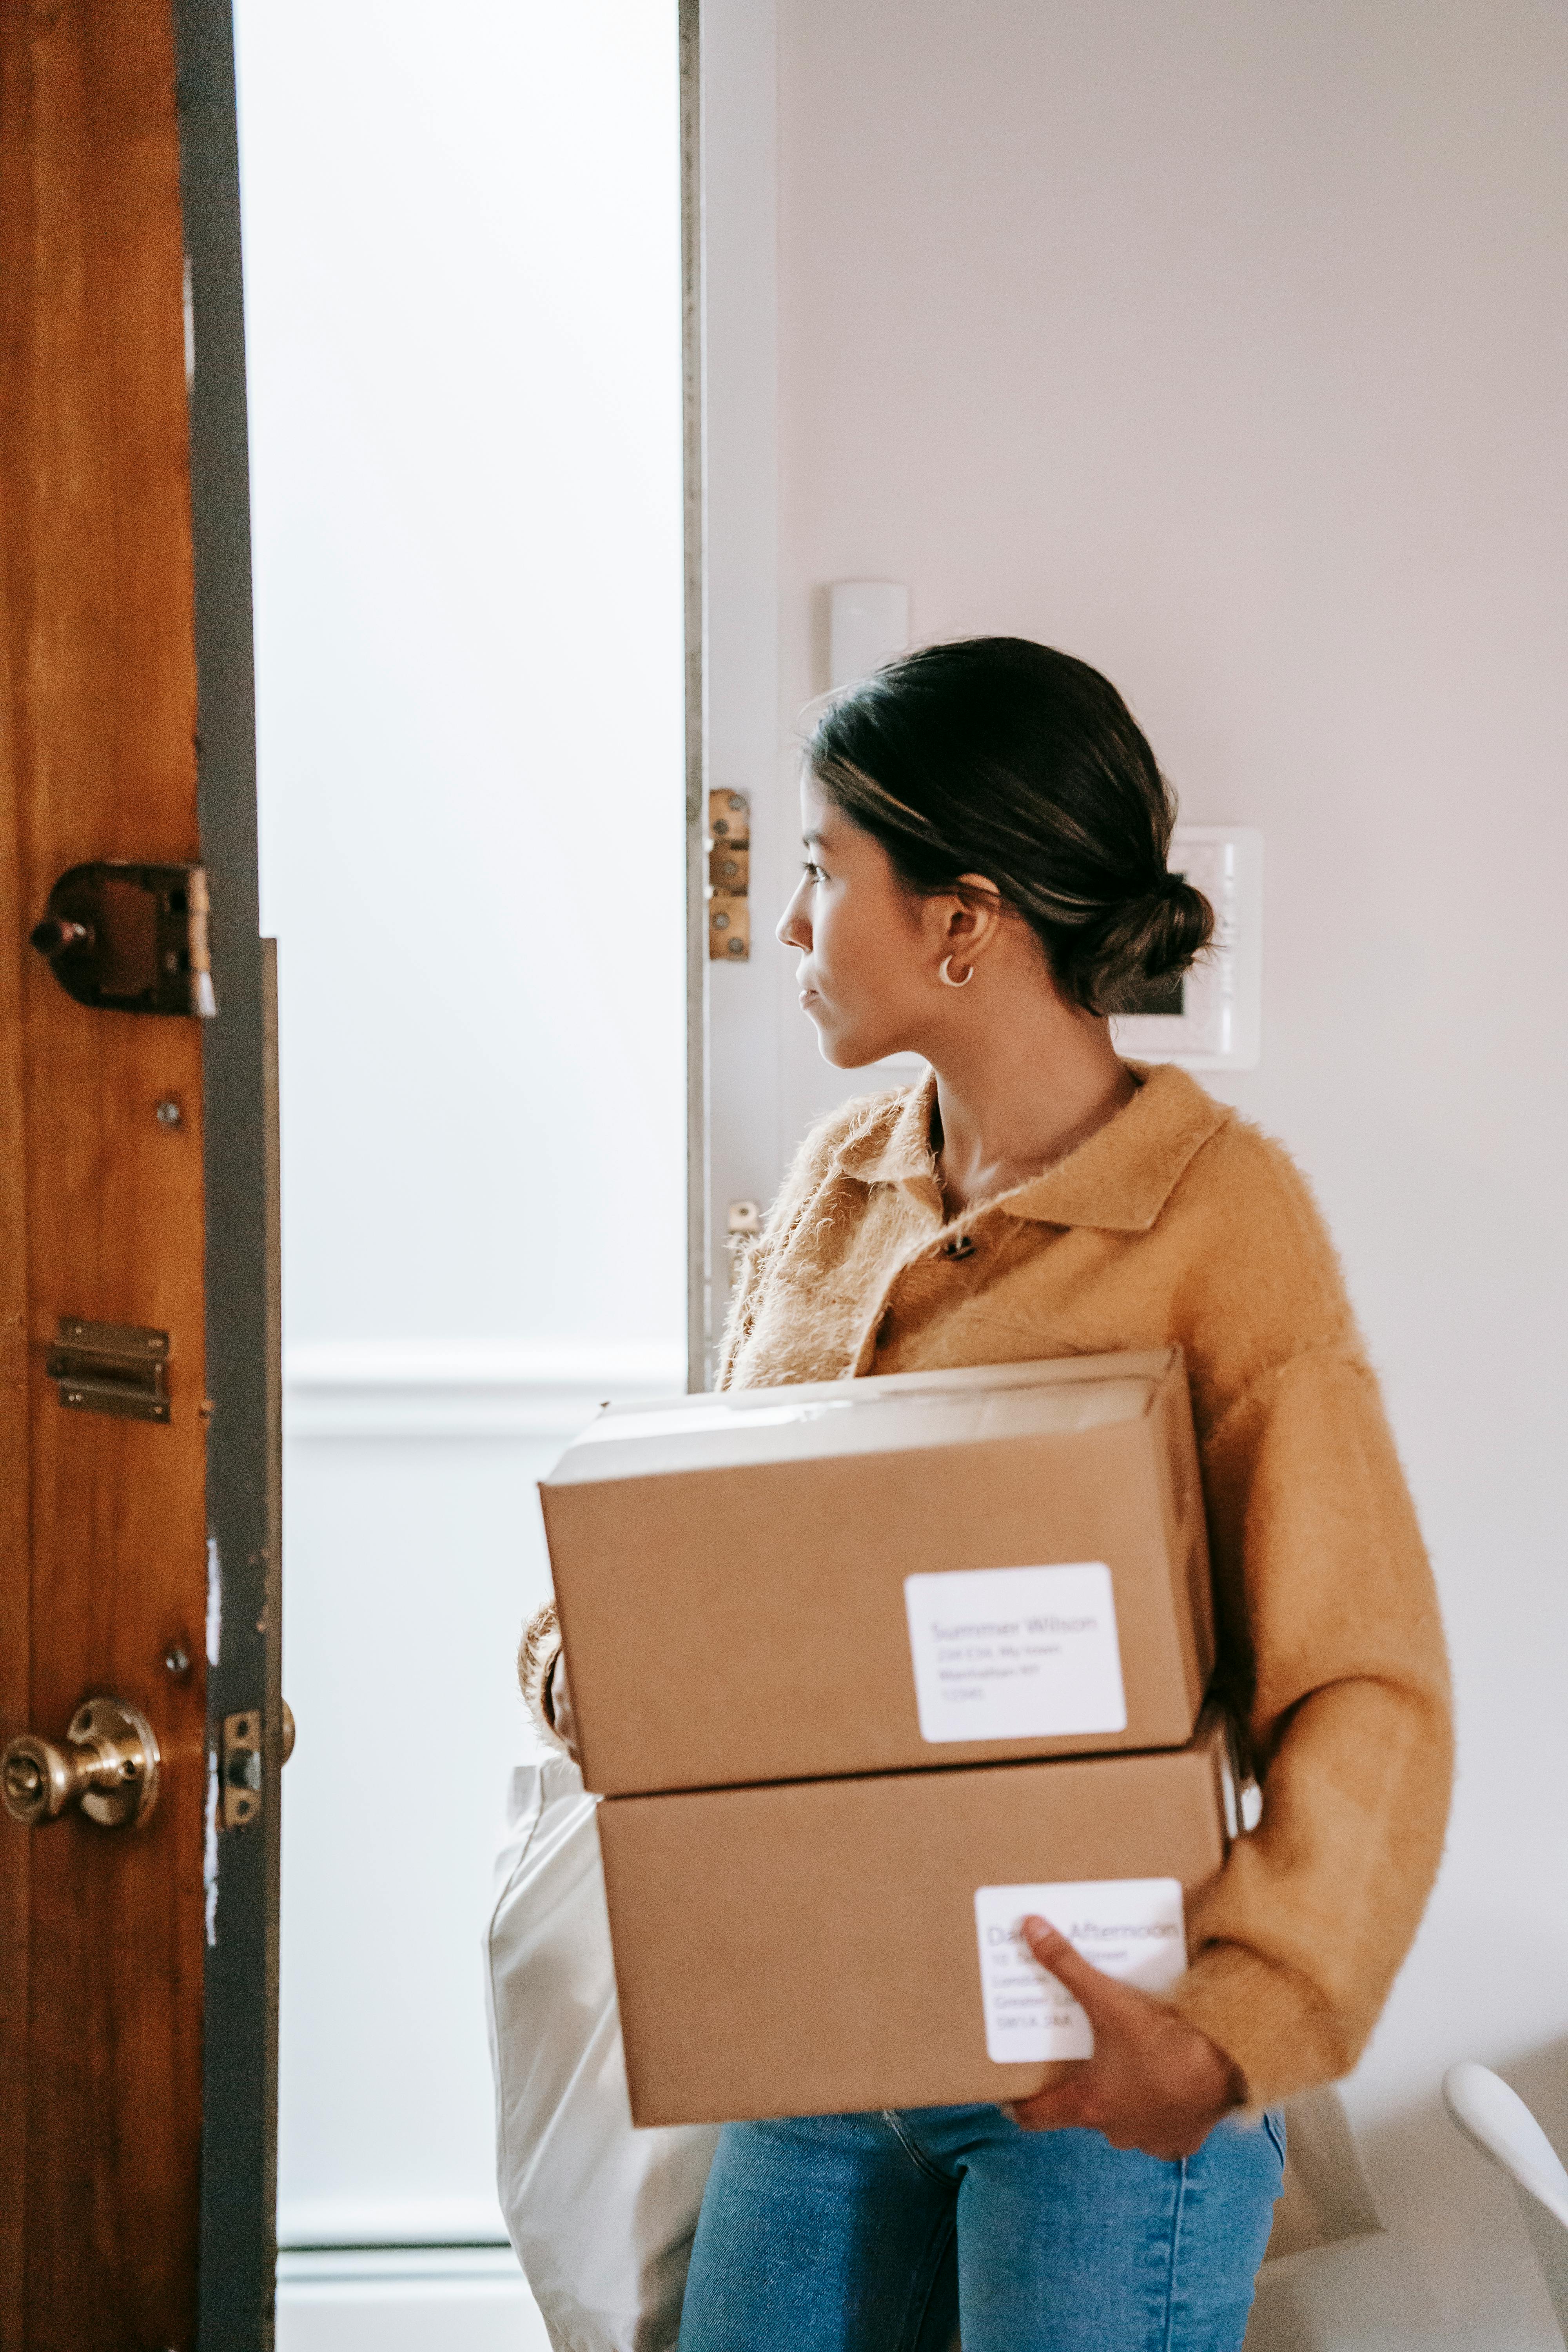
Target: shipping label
[1016, 1653]
[1131, 1928]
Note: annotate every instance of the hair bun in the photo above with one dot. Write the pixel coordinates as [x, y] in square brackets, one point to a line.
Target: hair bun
[1152, 936]
[1180, 926]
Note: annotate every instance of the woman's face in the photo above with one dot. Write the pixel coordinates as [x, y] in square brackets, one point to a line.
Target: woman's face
[866, 943]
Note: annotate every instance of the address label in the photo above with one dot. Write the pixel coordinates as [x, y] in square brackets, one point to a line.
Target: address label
[1131, 1928]
[1016, 1653]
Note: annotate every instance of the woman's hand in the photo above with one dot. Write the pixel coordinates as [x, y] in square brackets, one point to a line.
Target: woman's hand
[558, 1706]
[1154, 2083]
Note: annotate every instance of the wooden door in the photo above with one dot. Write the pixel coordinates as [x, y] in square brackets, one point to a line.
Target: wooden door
[140, 1555]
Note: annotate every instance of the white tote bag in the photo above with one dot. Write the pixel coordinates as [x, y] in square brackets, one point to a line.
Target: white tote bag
[601, 2215]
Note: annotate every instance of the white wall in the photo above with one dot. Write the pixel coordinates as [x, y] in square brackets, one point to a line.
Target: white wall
[462, 252]
[1222, 345]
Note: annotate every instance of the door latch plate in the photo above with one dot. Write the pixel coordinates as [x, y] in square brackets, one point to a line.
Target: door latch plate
[240, 1768]
[110, 1368]
[128, 938]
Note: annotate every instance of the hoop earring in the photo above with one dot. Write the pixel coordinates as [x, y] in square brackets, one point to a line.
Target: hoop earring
[946, 977]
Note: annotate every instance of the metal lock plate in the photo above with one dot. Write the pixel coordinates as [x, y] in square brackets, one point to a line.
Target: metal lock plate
[128, 938]
[111, 1368]
[240, 1768]
[729, 877]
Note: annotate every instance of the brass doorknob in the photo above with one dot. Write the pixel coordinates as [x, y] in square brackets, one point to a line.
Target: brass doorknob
[107, 1764]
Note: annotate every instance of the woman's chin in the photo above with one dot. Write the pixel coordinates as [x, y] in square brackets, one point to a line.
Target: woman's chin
[849, 1052]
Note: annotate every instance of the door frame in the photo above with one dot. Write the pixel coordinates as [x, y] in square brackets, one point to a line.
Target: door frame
[240, 2120]
[737, 740]
[693, 349]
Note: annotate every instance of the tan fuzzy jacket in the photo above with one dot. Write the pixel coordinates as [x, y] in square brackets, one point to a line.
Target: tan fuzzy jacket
[1178, 1222]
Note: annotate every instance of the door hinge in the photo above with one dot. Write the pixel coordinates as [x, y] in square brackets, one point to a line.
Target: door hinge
[729, 877]
[128, 938]
[110, 1368]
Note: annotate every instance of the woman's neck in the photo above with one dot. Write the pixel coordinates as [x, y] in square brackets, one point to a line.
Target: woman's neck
[1019, 1094]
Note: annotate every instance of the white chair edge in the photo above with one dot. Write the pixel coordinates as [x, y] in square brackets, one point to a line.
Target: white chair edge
[1494, 2118]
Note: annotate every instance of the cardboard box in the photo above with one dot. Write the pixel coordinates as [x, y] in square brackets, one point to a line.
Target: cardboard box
[867, 1576]
[825, 1946]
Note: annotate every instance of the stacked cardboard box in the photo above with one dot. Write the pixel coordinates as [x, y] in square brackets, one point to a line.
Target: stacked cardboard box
[864, 1672]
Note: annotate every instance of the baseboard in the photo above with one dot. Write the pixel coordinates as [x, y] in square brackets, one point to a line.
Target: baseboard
[405, 2299]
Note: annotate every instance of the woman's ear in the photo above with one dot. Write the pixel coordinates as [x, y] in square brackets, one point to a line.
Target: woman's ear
[973, 920]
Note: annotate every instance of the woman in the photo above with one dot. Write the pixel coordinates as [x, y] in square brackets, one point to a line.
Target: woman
[986, 882]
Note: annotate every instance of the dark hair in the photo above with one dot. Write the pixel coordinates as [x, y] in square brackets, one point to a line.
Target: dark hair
[998, 757]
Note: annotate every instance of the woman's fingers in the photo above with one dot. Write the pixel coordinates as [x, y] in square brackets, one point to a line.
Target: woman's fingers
[1056, 2109]
[1154, 2083]
[1103, 2001]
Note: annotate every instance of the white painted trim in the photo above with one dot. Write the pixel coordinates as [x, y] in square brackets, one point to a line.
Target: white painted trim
[336, 2266]
[467, 1388]
[412, 2299]
[307, 2223]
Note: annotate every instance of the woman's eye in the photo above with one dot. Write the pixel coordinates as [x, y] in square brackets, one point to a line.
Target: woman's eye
[813, 872]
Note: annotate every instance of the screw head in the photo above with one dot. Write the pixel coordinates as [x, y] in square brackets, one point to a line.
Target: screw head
[736, 802]
[176, 1660]
[737, 947]
[721, 922]
[168, 1113]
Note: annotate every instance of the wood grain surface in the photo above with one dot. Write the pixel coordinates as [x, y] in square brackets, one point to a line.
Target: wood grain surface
[15, 1518]
[104, 1569]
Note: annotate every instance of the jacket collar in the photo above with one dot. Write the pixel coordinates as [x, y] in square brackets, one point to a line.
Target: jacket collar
[1118, 1181]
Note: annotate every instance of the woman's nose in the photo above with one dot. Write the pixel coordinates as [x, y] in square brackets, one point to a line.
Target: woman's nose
[794, 930]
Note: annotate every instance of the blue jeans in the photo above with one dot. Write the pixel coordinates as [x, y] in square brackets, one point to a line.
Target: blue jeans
[881, 2232]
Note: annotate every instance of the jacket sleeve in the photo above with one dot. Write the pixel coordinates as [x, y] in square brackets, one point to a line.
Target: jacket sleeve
[1332, 1649]
[537, 1653]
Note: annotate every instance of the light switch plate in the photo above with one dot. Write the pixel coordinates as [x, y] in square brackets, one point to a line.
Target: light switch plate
[868, 624]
